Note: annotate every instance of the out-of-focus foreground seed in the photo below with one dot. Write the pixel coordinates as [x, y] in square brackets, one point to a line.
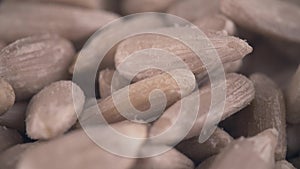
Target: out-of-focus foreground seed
[70, 22]
[53, 110]
[256, 152]
[137, 6]
[77, 151]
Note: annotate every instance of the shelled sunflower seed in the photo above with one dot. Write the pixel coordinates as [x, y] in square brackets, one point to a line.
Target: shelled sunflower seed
[46, 43]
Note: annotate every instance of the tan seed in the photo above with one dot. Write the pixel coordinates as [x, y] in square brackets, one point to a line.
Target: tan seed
[174, 85]
[70, 22]
[53, 110]
[280, 21]
[256, 152]
[31, 63]
[7, 96]
[284, 165]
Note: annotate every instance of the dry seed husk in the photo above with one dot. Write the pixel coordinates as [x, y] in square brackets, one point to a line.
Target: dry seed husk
[256, 152]
[170, 159]
[216, 22]
[239, 94]
[199, 151]
[293, 140]
[267, 110]
[72, 23]
[10, 157]
[31, 63]
[139, 95]
[14, 118]
[53, 110]
[206, 163]
[194, 9]
[284, 165]
[93, 4]
[228, 48]
[293, 99]
[7, 96]
[281, 20]
[76, 150]
[8, 138]
[137, 6]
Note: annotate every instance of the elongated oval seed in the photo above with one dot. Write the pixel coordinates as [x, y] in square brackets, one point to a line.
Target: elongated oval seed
[31, 63]
[10, 157]
[137, 6]
[53, 110]
[284, 165]
[7, 96]
[199, 151]
[293, 99]
[174, 85]
[216, 22]
[94, 4]
[77, 151]
[105, 78]
[8, 138]
[14, 118]
[239, 94]
[194, 9]
[70, 22]
[281, 20]
[256, 152]
[228, 48]
[170, 159]
[267, 110]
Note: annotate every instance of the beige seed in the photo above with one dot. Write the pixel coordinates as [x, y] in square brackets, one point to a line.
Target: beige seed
[10, 157]
[8, 138]
[284, 165]
[198, 152]
[216, 22]
[174, 85]
[137, 6]
[194, 9]
[293, 99]
[280, 21]
[256, 152]
[14, 118]
[228, 48]
[70, 22]
[93, 4]
[239, 94]
[267, 110]
[170, 159]
[31, 63]
[77, 151]
[53, 110]
[7, 96]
